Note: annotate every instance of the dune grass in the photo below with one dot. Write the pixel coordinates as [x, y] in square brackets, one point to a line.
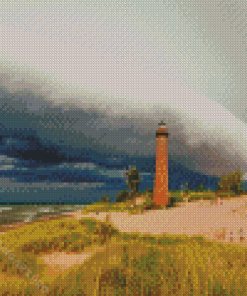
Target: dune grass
[177, 196]
[130, 264]
[194, 195]
[128, 206]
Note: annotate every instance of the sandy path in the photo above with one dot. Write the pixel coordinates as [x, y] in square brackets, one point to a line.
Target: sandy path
[62, 261]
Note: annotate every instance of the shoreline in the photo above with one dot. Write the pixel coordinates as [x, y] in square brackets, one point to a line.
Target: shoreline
[31, 214]
[7, 227]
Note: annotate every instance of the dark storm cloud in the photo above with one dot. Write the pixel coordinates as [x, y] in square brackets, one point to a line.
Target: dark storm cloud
[54, 134]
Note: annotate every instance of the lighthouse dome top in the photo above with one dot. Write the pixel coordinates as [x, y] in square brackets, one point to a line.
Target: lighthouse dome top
[162, 124]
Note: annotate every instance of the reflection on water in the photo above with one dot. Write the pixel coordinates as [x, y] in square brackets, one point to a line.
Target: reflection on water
[31, 213]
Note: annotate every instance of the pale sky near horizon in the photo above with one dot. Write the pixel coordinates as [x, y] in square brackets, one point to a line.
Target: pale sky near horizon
[135, 58]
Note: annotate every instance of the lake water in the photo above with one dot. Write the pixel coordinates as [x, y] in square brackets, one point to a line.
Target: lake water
[30, 213]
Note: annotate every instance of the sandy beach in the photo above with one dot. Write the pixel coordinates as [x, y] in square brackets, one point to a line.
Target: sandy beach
[204, 218]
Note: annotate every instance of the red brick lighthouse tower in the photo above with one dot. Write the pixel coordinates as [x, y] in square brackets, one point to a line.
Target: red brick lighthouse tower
[161, 175]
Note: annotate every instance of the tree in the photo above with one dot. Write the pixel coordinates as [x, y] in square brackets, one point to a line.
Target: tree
[149, 190]
[122, 196]
[219, 186]
[187, 187]
[133, 180]
[105, 198]
[202, 188]
[233, 181]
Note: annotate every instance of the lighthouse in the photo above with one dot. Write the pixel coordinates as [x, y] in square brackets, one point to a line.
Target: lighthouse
[161, 175]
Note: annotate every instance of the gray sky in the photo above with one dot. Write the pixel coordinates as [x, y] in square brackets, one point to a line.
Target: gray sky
[141, 60]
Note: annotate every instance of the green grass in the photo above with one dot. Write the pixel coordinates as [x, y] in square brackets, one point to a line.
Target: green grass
[131, 264]
[119, 206]
[176, 196]
[194, 195]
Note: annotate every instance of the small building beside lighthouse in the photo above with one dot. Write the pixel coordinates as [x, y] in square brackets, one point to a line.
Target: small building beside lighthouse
[160, 196]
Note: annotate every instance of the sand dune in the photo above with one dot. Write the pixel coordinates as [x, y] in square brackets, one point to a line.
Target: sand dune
[203, 218]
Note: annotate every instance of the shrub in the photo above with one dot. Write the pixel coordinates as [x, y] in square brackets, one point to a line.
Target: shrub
[105, 198]
[122, 196]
